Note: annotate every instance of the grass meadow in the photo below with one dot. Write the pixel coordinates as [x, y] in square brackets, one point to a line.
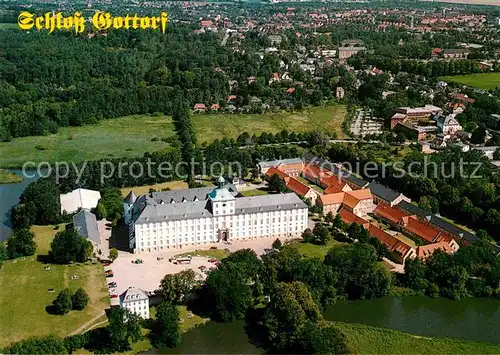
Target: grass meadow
[364, 339]
[24, 295]
[484, 81]
[132, 136]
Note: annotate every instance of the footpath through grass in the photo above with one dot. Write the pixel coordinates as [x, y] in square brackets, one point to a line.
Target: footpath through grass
[484, 81]
[24, 295]
[364, 339]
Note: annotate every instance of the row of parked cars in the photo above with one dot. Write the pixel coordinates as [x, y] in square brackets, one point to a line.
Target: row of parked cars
[111, 285]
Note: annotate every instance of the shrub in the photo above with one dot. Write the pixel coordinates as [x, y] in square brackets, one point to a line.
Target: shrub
[63, 303]
[41, 147]
[80, 299]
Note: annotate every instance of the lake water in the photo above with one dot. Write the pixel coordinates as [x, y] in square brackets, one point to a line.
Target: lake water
[472, 319]
[9, 197]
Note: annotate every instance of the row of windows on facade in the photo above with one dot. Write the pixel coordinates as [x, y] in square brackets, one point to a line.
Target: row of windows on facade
[238, 227]
[229, 218]
[172, 228]
[237, 233]
[208, 224]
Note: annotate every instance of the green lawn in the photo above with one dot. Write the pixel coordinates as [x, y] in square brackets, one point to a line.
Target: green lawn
[123, 137]
[24, 294]
[141, 190]
[327, 118]
[131, 136]
[209, 253]
[254, 192]
[484, 81]
[314, 251]
[364, 339]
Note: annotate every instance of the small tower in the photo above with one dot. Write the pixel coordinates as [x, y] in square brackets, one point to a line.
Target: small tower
[222, 200]
[221, 182]
[128, 203]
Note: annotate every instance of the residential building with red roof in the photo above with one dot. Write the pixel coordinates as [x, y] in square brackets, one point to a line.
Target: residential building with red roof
[302, 189]
[359, 202]
[425, 251]
[404, 251]
[349, 218]
[315, 173]
[199, 107]
[393, 216]
[416, 228]
[333, 184]
[294, 185]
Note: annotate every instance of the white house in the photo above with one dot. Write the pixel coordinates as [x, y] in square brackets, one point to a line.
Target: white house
[136, 300]
[79, 199]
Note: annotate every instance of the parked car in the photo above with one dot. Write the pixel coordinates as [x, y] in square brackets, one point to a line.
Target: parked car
[113, 295]
[107, 264]
[110, 275]
[213, 248]
[213, 260]
[202, 267]
[112, 284]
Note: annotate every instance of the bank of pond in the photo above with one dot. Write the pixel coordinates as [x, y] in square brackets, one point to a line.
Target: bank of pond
[390, 325]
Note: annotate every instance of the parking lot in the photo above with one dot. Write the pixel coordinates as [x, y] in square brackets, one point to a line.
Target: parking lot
[149, 274]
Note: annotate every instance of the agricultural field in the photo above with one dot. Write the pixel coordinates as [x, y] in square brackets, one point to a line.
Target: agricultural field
[327, 118]
[24, 293]
[484, 81]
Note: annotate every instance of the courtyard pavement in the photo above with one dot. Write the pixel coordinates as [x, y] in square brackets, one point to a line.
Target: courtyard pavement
[149, 274]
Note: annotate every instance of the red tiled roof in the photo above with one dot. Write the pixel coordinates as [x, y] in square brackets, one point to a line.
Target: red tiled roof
[278, 172]
[332, 199]
[297, 187]
[422, 230]
[332, 190]
[291, 167]
[349, 217]
[392, 243]
[316, 172]
[388, 240]
[389, 213]
[332, 181]
[426, 251]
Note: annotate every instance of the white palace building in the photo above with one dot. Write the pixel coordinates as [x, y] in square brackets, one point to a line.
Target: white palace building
[173, 219]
